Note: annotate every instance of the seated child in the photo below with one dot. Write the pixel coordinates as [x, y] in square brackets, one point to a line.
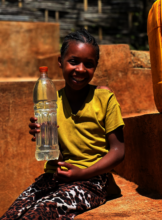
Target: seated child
[90, 138]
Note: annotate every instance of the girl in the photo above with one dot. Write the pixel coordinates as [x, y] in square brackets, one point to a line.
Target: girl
[90, 138]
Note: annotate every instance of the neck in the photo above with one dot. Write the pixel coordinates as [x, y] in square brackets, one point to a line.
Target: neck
[76, 95]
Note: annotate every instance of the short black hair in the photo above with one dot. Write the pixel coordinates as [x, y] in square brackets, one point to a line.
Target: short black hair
[83, 36]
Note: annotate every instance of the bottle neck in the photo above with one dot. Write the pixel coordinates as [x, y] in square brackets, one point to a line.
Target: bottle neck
[43, 74]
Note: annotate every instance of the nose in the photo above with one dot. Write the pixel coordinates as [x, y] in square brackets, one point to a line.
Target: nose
[81, 68]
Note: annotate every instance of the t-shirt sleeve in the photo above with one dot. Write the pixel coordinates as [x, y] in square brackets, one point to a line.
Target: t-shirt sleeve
[113, 118]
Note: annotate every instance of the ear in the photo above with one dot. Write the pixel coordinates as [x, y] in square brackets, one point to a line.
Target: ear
[59, 61]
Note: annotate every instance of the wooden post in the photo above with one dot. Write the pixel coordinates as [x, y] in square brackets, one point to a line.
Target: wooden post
[20, 4]
[3, 2]
[85, 5]
[100, 11]
[130, 16]
[99, 6]
[85, 9]
[100, 33]
[57, 16]
[46, 15]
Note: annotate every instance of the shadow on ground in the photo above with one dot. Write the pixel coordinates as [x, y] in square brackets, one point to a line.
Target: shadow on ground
[148, 193]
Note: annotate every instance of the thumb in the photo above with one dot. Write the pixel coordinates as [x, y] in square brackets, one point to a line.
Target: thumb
[64, 164]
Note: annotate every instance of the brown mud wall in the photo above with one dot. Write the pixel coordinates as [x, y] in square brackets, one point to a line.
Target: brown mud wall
[128, 74]
[27, 45]
[142, 163]
[24, 46]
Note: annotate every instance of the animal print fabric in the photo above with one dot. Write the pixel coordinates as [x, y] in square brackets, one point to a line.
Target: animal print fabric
[49, 199]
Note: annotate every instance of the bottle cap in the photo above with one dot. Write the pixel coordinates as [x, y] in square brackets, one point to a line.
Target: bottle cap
[43, 69]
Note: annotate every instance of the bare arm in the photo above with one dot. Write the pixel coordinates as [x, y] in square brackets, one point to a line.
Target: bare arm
[112, 158]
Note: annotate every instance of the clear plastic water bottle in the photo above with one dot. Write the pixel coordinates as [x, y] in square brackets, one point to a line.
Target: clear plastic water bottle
[45, 110]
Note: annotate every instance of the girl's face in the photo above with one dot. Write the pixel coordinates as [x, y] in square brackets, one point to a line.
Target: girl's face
[78, 64]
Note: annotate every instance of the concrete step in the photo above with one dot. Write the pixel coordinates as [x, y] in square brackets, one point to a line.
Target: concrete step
[134, 204]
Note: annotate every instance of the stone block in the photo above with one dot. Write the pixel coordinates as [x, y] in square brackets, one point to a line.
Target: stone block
[141, 59]
[143, 156]
[26, 46]
[128, 74]
[134, 204]
[54, 71]
[23, 44]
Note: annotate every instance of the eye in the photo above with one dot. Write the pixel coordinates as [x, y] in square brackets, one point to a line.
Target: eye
[89, 64]
[73, 62]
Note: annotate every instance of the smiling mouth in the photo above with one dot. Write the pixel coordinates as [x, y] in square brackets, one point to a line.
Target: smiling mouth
[78, 79]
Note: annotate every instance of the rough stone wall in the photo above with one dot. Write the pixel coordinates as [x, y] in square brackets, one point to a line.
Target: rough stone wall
[24, 46]
[128, 74]
[143, 156]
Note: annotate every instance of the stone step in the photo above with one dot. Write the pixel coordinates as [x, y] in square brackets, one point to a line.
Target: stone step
[134, 204]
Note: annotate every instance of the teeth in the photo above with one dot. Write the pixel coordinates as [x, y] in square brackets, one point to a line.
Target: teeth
[78, 79]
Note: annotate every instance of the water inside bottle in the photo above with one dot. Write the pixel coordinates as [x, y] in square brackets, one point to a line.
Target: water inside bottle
[47, 140]
[47, 155]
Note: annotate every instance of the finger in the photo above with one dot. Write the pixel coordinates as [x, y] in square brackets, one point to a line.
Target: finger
[53, 162]
[34, 125]
[34, 131]
[62, 179]
[64, 164]
[62, 173]
[33, 139]
[33, 119]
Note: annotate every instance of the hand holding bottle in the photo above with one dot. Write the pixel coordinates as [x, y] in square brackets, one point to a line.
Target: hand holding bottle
[34, 128]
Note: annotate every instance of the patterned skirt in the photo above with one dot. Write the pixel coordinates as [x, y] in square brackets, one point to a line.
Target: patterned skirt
[47, 198]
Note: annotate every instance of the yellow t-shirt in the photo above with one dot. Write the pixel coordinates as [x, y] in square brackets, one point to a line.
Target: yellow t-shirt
[82, 136]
